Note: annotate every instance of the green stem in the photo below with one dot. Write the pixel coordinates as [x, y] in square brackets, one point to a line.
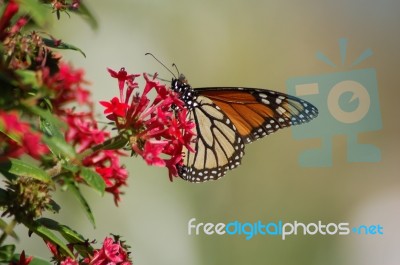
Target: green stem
[8, 230]
[116, 142]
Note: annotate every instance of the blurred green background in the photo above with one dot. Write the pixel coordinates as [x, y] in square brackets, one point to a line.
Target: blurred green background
[253, 44]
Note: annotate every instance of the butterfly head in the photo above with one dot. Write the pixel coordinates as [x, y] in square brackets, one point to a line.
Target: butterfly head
[179, 83]
[182, 79]
[185, 91]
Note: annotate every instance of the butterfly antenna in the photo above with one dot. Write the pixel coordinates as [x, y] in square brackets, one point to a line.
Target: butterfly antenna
[176, 68]
[181, 76]
[155, 58]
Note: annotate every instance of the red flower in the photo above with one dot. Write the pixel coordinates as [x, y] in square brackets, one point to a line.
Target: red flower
[19, 138]
[33, 145]
[10, 10]
[108, 166]
[66, 87]
[152, 151]
[12, 122]
[122, 77]
[159, 128]
[115, 107]
[83, 131]
[18, 25]
[22, 259]
[112, 252]
[69, 261]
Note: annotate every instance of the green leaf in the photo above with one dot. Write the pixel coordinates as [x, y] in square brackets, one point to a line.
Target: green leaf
[60, 147]
[61, 45]
[69, 234]
[50, 129]
[116, 143]
[53, 206]
[85, 13]
[28, 77]
[13, 136]
[20, 168]
[3, 226]
[75, 191]
[47, 115]
[6, 253]
[36, 10]
[72, 168]
[93, 179]
[46, 234]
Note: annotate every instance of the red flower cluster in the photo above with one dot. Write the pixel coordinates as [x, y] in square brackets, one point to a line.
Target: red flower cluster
[18, 138]
[67, 87]
[83, 132]
[108, 166]
[158, 130]
[112, 252]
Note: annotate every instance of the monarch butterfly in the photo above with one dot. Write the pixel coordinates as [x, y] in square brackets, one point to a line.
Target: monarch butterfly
[227, 118]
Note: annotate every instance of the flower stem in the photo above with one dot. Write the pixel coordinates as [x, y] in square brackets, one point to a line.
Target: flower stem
[8, 230]
[116, 142]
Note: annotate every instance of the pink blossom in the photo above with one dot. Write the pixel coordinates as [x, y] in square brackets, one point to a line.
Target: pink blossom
[112, 252]
[152, 151]
[122, 77]
[19, 137]
[159, 128]
[33, 145]
[69, 261]
[10, 10]
[115, 107]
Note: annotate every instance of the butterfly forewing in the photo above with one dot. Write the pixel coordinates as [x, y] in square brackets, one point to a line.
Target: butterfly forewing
[218, 148]
[258, 112]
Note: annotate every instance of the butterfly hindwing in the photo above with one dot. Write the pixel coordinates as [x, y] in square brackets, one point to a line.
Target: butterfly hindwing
[218, 148]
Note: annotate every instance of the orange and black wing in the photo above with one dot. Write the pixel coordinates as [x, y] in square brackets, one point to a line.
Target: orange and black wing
[259, 112]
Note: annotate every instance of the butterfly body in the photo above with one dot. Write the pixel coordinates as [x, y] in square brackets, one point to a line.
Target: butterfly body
[227, 118]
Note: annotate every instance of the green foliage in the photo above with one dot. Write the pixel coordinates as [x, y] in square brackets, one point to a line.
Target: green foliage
[24, 169]
[62, 45]
[6, 253]
[44, 232]
[93, 179]
[73, 187]
[36, 10]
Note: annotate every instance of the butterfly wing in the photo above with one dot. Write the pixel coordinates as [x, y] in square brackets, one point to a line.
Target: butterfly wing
[219, 146]
[259, 112]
